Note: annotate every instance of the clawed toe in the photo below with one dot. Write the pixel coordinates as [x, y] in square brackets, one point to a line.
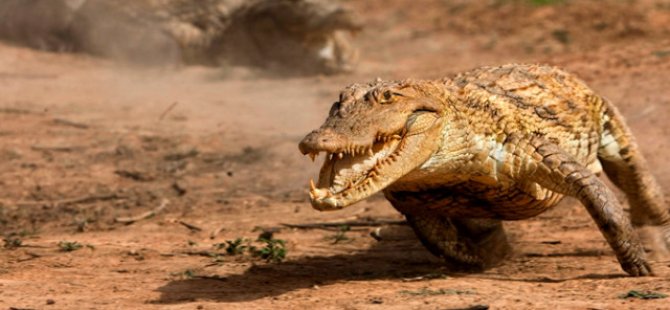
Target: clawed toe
[638, 269]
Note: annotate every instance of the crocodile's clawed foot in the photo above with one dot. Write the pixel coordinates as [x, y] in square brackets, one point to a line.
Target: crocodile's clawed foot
[637, 268]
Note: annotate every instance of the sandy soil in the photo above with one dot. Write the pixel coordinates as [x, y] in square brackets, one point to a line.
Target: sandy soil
[84, 141]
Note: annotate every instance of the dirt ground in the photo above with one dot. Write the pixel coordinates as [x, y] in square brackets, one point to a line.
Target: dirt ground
[85, 141]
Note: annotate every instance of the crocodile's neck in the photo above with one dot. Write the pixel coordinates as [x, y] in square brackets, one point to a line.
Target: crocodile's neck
[455, 148]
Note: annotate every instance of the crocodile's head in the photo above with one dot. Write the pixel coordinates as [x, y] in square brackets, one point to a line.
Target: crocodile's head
[374, 135]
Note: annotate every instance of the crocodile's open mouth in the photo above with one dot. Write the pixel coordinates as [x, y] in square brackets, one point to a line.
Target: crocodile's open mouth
[354, 173]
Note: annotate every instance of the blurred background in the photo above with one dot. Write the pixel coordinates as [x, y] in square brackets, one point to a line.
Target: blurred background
[110, 108]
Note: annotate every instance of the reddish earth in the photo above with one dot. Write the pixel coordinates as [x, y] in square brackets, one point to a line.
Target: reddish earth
[84, 141]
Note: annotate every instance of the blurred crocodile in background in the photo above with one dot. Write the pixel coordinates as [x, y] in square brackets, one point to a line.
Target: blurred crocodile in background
[286, 36]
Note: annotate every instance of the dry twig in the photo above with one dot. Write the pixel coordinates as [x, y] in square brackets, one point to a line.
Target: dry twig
[191, 227]
[65, 122]
[358, 223]
[169, 108]
[70, 201]
[216, 232]
[67, 149]
[143, 216]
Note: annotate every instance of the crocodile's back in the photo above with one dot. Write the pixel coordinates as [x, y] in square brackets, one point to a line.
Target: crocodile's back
[487, 154]
[532, 100]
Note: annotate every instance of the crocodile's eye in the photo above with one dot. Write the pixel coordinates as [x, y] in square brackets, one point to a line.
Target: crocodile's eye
[387, 97]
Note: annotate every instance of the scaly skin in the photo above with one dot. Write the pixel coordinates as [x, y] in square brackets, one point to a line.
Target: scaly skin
[457, 156]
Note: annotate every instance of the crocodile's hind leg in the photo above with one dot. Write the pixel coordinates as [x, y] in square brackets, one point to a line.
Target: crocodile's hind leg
[465, 244]
[624, 164]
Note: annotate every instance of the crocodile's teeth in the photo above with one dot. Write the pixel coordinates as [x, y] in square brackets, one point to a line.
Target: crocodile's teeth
[312, 187]
[312, 156]
[317, 193]
[340, 155]
[331, 201]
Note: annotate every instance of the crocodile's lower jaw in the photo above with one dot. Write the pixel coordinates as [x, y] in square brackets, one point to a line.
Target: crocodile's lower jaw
[325, 204]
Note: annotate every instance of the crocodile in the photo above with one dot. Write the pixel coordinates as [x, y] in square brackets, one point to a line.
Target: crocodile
[285, 36]
[460, 155]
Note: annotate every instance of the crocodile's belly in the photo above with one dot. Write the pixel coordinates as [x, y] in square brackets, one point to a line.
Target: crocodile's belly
[472, 200]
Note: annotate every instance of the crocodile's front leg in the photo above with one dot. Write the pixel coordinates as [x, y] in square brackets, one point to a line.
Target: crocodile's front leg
[465, 244]
[470, 244]
[552, 168]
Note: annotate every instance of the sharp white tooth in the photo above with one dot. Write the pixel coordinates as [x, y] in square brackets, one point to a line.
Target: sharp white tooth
[397, 137]
[370, 152]
[318, 193]
[312, 187]
[340, 155]
[329, 156]
[331, 201]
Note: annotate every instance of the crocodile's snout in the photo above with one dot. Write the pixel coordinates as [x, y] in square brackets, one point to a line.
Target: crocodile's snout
[321, 140]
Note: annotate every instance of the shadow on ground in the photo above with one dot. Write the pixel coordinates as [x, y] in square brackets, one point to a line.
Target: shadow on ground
[385, 260]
